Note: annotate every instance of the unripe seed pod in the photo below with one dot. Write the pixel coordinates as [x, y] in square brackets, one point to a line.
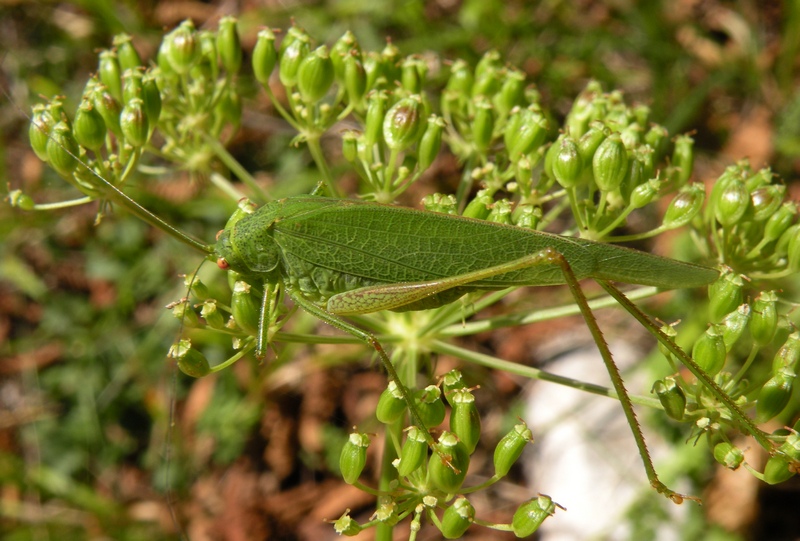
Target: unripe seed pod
[132, 85]
[353, 457]
[390, 60]
[510, 448]
[212, 315]
[591, 140]
[184, 313]
[20, 200]
[315, 75]
[190, 361]
[89, 127]
[465, 419]
[501, 212]
[529, 136]
[126, 53]
[777, 470]
[448, 477]
[530, 515]
[779, 222]
[480, 206]
[182, 48]
[346, 45]
[108, 108]
[709, 351]
[290, 60]
[734, 325]
[229, 46]
[683, 159]
[151, 96]
[610, 163]
[729, 456]
[245, 308]
[431, 142]
[134, 123]
[487, 83]
[788, 354]
[413, 453]
[62, 149]
[461, 79]
[412, 74]
[482, 124]
[657, 137]
[732, 203]
[355, 77]
[766, 200]
[346, 525]
[404, 124]
[41, 124]
[457, 518]
[791, 447]
[764, 323]
[444, 204]
[567, 163]
[671, 333]
[725, 295]
[110, 74]
[391, 404]
[490, 61]
[511, 92]
[373, 65]
[775, 394]
[527, 216]
[373, 126]
[264, 56]
[430, 405]
[671, 396]
[684, 206]
[452, 381]
[350, 145]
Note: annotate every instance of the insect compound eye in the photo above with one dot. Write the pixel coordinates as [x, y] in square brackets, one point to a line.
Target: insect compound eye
[222, 263]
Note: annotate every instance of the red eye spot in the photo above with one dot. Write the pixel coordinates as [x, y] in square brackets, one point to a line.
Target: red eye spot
[222, 263]
[219, 233]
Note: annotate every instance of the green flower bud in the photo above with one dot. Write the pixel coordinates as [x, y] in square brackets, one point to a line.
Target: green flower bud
[511, 92]
[134, 123]
[530, 135]
[457, 518]
[291, 58]
[766, 200]
[777, 470]
[788, 354]
[190, 361]
[245, 308]
[39, 129]
[89, 127]
[683, 159]
[779, 222]
[482, 124]
[431, 142]
[430, 405]
[404, 123]
[62, 149]
[671, 396]
[732, 203]
[465, 419]
[729, 456]
[501, 212]
[610, 163]
[373, 126]
[764, 323]
[709, 351]
[684, 206]
[448, 476]
[151, 97]
[109, 72]
[725, 295]
[355, 77]
[413, 453]
[391, 405]
[480, 206]
[346, 525]
[264, 56]
[461, 79]
[229, 46]
[510, 448]
[182, 47]
[530, 515]
[315, 75]
[212, 315]
[567, 164]
[734, 325]
[108, 108]
[126, 53]
[353, 457]
[775, 394]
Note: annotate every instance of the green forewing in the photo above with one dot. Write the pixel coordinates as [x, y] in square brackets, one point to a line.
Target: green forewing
[385, 244]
